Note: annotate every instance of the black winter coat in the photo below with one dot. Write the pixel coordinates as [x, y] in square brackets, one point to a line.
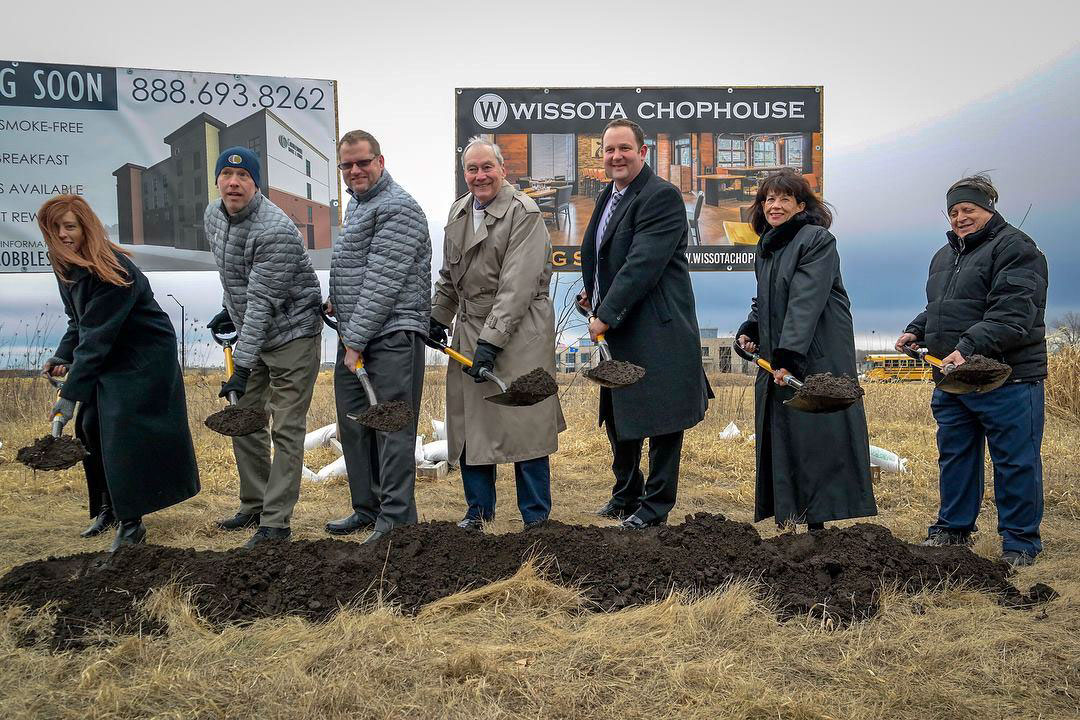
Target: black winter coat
[121, 350]
[810, 467]
[986, 295]
[647, 299]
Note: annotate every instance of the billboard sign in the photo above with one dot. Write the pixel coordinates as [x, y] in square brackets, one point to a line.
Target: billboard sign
[713, 143]
[140, 146]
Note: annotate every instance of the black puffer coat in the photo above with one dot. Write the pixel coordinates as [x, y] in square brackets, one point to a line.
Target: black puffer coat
[986, 295]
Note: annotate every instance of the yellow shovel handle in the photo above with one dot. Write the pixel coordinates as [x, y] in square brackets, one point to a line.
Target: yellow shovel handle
[459, 357]
[229, 366]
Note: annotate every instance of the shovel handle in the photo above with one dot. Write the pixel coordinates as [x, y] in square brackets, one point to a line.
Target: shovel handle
[605, 351]
[230, 366]
[923, 354]
[764, 364]
[57, 425]
[455, 355]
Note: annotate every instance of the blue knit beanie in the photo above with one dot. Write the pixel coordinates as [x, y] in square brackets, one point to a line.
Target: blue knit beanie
[238, 157]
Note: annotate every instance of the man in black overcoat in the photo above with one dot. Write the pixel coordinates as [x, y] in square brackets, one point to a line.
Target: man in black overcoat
[637, 287]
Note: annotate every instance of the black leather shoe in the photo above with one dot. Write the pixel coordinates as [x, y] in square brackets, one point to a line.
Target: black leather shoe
[348, 525]
[471, 524]
[374, 537]
[239, 521]
[267, 533]
[614, 511]
[102, 522]
[130, 532]
[535, 524]
[635, 523]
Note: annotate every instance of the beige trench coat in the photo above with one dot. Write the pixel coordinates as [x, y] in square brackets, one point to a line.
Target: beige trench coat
[494, 281]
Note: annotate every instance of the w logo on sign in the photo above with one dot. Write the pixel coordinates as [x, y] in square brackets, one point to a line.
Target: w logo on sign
[489, 111]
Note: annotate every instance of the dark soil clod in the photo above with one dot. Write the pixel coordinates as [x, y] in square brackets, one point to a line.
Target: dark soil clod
[388, 416]
[236, 421]
[52, 453]
[532, 387]
[979, 370]
[827, 385]
[616, 372]
[835, 574]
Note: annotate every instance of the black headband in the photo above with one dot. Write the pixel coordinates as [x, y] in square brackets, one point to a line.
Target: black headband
[971, 194]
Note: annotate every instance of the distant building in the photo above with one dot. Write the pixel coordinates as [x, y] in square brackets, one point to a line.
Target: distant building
[716, 355]
[163, 204]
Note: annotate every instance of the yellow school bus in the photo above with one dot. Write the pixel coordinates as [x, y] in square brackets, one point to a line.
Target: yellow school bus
[896, 367]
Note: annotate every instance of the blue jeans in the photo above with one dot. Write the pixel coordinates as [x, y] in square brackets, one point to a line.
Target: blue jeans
[1009, 419]
[533, 478]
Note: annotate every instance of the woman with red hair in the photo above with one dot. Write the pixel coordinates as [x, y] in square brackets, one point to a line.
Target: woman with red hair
[119, 356]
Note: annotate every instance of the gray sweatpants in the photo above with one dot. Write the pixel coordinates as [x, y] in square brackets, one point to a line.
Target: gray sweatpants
[381, 466]
[281, 382]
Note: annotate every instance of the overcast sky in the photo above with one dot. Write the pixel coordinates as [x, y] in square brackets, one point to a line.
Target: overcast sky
[915, 95]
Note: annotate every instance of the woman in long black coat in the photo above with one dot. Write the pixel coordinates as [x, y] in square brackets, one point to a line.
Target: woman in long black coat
[810, 467]
[119, 356]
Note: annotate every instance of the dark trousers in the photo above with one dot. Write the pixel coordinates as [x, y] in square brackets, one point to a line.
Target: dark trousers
[1010, 420]
[88, 430]
[381, 466]
[533, 480]
[650, 499]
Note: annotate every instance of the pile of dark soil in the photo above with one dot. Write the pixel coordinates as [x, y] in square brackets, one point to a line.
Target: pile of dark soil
[615, 372]
[839, 387]
[388, 416]
[532, 387]
[835, 573]
[236, 421]
[52, 453]
[979, 371]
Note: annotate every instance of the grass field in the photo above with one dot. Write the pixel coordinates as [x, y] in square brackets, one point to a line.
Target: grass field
[524, 648]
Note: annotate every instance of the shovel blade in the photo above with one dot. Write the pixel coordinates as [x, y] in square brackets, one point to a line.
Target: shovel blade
[819, 404]
[956, 386]
[510, 399]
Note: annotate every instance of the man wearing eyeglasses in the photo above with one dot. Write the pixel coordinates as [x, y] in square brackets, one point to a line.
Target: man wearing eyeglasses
[380, 293]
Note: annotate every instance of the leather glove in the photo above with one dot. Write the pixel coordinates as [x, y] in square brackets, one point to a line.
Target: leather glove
[54, 363]
[221, 323]
[484, 357]
[64, 408]
[237, 383]
[437, 333]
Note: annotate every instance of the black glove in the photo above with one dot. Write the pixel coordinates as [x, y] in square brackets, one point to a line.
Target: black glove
[237, 383]
[221, 324]
[436, 333]
[484, 357]
[64, 408]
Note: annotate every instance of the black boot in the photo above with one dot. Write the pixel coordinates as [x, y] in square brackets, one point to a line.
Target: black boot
[105, 520]
[130, 532]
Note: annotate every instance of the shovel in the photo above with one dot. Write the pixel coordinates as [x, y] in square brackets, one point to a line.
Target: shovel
[953, 376]
[386, 417]
[233, 421]
[616, 373]
[507, 397]
[54, 451]
[801, 401]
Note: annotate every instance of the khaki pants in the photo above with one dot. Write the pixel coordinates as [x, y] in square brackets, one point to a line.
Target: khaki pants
[281, 382]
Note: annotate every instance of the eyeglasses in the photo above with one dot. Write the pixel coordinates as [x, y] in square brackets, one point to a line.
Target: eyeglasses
[362, 164]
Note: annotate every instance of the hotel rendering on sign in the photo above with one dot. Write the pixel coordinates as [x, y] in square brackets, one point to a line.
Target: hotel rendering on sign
[141, 146]
[714, 143]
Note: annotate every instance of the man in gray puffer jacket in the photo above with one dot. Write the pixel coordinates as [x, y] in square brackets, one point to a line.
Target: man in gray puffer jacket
[380, 293]
[272, 298]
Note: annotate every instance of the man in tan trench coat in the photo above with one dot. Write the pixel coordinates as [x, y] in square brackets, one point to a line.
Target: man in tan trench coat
[494, 281]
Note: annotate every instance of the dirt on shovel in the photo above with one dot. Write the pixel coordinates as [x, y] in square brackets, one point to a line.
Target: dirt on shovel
[532, 387]
[827, 385]
[388, 416]
[52, 453]
[617, 372]
[237, 421]
[978, 370]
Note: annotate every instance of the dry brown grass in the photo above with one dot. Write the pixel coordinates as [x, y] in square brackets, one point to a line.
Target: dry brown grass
[522, 647]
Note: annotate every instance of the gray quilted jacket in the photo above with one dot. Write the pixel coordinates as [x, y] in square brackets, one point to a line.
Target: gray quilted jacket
[380, 272]
[271, 291]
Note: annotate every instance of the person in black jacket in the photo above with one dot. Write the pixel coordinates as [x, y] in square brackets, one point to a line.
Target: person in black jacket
[637, 286]
[811, 468]
[119, 356]
[986, 295]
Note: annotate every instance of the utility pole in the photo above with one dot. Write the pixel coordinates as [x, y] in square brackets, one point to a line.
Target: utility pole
[183, 349]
